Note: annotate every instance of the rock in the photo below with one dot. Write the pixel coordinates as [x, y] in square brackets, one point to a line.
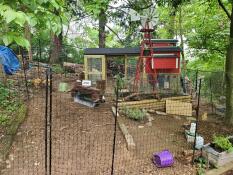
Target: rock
[177, 117]
[161, 113]
[187, 152]
[140, 126]
[150, 119]
[149, 123]
[151, 111]
[37, 163]
[8, 164]
[191, 118]
[11, 157]
[204, 116]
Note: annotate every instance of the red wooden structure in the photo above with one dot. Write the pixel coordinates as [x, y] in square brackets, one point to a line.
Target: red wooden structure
[156, 56]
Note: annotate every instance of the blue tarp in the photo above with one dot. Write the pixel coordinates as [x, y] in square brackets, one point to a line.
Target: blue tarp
[9, 60]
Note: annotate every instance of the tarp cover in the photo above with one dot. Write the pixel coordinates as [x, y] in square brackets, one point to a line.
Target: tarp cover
[9, 60]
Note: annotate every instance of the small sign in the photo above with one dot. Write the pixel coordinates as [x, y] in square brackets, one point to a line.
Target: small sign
[86, 83]
[166, 85]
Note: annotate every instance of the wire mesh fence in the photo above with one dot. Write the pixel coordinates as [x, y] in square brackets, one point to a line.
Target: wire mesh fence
[67, 128]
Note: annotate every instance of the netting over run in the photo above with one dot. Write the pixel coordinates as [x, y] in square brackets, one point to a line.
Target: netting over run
[159, 83]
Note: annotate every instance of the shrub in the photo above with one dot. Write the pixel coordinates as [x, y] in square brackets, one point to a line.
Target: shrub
[4, 119]
[134, 113]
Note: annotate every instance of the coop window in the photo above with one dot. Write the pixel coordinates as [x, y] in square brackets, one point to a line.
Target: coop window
[94, 65]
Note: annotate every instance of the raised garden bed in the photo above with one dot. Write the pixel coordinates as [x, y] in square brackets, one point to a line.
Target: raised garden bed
[216, 156]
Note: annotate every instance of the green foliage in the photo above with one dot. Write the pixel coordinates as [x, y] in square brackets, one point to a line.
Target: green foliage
[223, 143]
[57, 68]
[120, 82]
[9, 102]
[134, 113]
[38, 14]
[4, 119]
[201, 165]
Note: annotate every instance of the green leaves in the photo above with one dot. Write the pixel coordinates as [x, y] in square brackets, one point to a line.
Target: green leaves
[22, 41]
[21, 18]
[10, 15]
[223, 143]
[7, 39]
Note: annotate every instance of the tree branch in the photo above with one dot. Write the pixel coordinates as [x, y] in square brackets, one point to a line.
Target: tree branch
[122, 42]
[224, 9]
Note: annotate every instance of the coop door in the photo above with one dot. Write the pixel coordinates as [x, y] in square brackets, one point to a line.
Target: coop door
[95, 67]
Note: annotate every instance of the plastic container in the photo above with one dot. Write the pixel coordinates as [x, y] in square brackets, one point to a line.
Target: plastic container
[199, 142]
[163, 159]
[193, 128]
[63, 87]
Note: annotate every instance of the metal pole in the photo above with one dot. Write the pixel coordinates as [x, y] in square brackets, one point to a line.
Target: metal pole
[38, 61]
[50, 122]
[25, 74]
[46, 120]
[211, 97]
[197, 119]
[196, 81]
[115, 125]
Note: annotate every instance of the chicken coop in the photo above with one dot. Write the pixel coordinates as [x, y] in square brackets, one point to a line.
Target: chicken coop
[105, 63]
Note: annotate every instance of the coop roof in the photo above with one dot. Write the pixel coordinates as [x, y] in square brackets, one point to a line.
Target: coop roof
[126, 51]
[164, 40]
[112, 51]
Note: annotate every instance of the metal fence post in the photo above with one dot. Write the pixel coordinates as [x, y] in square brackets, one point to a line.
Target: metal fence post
[197, 118]
[196, 85]
[211, 96]
[115, 126]
[46, 122]
[50, 121]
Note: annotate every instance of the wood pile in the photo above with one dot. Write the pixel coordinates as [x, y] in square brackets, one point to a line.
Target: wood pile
[72, 67]
[87, 93]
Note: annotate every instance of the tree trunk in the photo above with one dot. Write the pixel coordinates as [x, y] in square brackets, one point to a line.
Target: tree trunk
[171, 24]
[102, 33]
[182, 40]
[27, 34]
[56, 48]
[229, 76]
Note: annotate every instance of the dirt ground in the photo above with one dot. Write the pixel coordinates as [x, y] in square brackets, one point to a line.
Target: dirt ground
[82, 141]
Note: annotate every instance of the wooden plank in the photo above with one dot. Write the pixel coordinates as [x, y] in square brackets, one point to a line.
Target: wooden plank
[86, 67]
[155, 100]
[178, 108]
[126, 66]
[104, 67]
[221, 169]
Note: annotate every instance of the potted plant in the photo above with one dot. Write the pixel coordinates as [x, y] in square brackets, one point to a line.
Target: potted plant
[220, 151]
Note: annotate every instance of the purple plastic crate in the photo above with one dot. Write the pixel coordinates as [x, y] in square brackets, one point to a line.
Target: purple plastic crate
[163, 159]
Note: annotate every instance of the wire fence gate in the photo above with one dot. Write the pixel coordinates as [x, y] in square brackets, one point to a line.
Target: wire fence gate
[46, 130]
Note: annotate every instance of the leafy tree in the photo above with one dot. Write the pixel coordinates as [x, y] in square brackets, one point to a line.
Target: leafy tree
[228, 9]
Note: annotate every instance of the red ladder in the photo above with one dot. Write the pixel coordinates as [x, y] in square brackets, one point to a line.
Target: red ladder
[146, 45]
